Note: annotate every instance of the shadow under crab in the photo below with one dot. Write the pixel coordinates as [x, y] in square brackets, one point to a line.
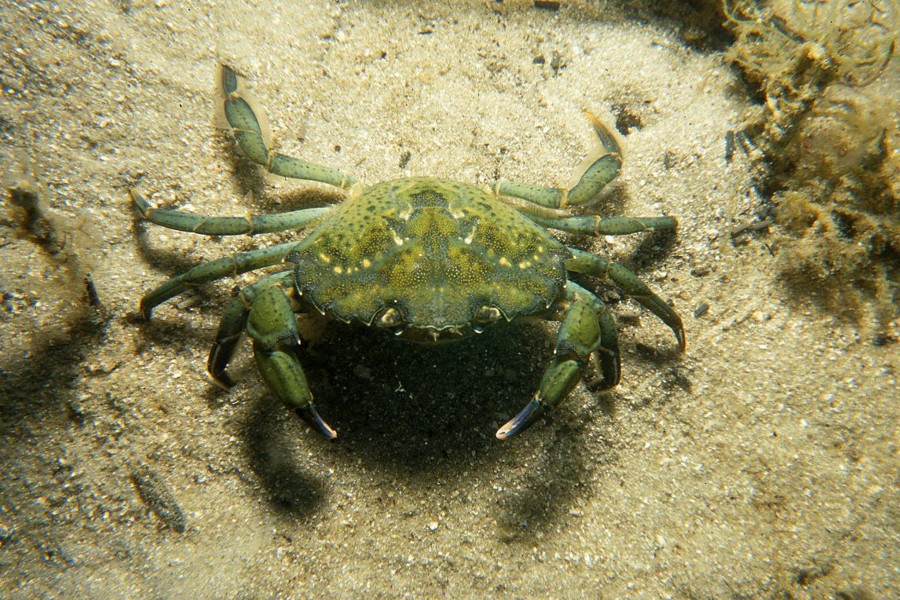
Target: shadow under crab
[427, 259]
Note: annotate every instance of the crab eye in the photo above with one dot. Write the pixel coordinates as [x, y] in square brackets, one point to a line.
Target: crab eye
[390, 318]
[487, 314]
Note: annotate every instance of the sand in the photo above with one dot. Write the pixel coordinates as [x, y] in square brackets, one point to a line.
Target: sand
[761, 463]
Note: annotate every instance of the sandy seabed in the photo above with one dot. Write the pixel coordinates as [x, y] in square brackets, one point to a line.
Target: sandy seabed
[761, 463]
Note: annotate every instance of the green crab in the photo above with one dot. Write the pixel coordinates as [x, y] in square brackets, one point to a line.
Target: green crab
[427, 259]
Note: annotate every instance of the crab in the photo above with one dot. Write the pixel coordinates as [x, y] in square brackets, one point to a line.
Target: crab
[426, 259]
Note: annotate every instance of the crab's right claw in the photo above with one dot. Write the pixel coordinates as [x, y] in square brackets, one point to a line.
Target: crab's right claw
[273, 328]
[284, 376]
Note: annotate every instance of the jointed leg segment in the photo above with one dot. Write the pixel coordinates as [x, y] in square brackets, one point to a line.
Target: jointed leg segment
[591, 264]
[234, 323]
[249, 225]
[595, 178]
[249, 136]
[597, 226]
[212, 270]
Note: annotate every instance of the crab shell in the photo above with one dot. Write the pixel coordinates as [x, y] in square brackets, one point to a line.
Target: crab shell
[429, 259]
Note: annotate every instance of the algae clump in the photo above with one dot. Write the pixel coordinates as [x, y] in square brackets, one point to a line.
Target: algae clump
[826, 137]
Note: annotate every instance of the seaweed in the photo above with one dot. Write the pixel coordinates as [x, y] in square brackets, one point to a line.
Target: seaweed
[825, 137]
[23, 192]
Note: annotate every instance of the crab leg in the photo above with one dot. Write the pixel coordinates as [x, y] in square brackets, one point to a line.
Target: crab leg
[591, 264]
[595, 178]
[595, 225]
[249, 136]
[273, 328]
[212, 270]
[587, 326]
[250, 224]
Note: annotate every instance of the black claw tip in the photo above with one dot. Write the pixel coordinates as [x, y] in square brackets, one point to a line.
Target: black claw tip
[144, 311]
[309, 414]
[221, 379]
[523, 420]
[682, 342]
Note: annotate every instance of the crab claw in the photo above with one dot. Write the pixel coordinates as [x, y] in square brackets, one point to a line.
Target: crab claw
[584, 326]
[273, 329]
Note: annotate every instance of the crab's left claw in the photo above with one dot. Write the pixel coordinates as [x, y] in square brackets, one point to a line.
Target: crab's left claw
[273, 328]
[528, 415]
[586, 327]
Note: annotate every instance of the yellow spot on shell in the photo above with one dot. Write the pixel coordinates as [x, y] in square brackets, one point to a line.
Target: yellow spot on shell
[524, 264]
[324, 258]
[366, 263]
[504, 262]
[338, 269]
